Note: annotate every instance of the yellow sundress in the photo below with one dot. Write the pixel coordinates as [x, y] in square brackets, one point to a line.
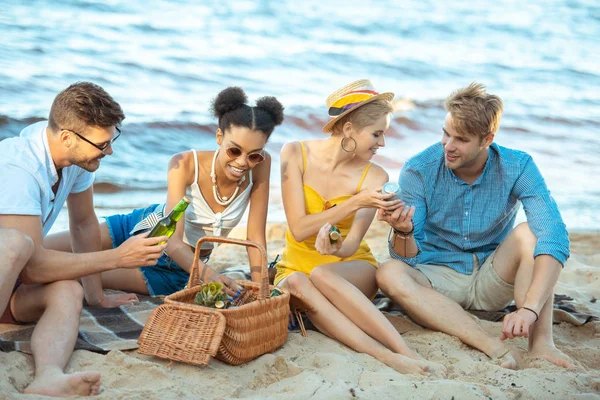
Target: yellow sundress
[302, 256]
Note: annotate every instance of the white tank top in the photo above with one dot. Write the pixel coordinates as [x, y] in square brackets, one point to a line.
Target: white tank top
[200, 220]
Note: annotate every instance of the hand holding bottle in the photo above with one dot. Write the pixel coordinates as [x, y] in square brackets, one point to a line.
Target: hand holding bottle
[399, 219]
[323, 243]
[373, 198]
[140, 251]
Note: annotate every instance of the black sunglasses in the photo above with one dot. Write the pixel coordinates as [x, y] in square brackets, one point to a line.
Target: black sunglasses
[101, 148]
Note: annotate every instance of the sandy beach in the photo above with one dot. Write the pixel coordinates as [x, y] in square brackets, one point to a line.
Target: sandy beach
[317, 367]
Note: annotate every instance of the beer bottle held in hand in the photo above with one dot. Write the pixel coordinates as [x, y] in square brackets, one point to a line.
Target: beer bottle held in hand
[166, 225]
[334, 234]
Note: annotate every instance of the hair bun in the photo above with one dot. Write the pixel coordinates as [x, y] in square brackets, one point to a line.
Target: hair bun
[273, 107]
[228, 100]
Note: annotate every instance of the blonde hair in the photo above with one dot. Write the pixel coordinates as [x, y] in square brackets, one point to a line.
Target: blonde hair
[474, 111]
[365, 115]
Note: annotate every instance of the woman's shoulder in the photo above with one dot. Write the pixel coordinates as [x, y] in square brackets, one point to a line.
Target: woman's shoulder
[185, 162]
[376, 176]
[291, 148]
[295, 148]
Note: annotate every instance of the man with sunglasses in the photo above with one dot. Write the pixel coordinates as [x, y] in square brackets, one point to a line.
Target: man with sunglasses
[50, 163]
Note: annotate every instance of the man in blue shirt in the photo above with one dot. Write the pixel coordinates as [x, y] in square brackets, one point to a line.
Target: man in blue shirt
[452, 242]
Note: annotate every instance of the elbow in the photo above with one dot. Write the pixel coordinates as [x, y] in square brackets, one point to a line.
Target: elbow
[297, 235]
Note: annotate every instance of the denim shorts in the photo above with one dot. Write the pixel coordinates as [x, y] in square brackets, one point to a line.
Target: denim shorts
[166, 276]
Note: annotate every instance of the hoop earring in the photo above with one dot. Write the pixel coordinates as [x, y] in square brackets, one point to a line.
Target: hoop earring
[344, 147]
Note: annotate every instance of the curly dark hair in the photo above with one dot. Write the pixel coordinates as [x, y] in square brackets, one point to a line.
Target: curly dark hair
[231, 108]
[84, 104]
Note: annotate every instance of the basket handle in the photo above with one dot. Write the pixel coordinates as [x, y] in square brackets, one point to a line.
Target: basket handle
[197, 276]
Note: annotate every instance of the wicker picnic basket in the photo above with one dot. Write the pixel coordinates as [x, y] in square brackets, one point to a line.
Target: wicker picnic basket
[180, 330]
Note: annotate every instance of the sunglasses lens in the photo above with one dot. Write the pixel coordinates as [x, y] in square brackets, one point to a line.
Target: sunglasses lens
[234, 152]
[256, 158]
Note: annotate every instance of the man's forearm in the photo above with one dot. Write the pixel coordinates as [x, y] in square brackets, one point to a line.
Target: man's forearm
[50, 265]
[404, 246]
[546, 271]
[86, 238]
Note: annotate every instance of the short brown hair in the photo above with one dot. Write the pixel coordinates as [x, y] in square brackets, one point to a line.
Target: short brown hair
[474, 111]
[365, 115]
[84, 104]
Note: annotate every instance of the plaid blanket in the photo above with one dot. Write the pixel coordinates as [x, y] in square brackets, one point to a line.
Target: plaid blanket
[564, 310]
[100, 329]
[106, 329]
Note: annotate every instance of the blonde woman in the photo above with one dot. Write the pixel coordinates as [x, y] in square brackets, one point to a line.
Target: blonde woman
[332, 181]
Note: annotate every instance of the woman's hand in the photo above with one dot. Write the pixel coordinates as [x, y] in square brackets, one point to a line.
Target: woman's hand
[399, 219]
[323, 244]
[230, 287]
[373, 198]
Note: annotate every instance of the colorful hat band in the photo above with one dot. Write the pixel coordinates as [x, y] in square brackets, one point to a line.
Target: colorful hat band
[350, 100]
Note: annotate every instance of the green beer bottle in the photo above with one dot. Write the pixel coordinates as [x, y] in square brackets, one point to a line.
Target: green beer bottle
[166, 225]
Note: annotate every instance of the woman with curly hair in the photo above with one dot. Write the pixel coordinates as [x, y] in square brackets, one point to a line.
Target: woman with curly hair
[220, 184]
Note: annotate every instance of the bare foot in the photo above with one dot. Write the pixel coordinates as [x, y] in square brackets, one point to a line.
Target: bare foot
[435, 370]
[407, 365]
[64, 385]
[552, 354]
[506, 360]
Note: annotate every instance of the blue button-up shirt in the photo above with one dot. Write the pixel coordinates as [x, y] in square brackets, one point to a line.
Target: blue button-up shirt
[454, 219]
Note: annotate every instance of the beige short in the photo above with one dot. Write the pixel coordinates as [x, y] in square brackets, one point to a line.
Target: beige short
[482, 290]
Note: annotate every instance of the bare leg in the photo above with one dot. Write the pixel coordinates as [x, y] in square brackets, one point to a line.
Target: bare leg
[57, 306]
[348, 286]
[61, 241]
[15, 250]
[332, 322]
[412, 290]
[128, 280]
[514, 262]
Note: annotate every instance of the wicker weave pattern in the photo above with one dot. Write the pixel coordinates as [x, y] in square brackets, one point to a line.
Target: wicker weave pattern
[257, 325]
[172, 334]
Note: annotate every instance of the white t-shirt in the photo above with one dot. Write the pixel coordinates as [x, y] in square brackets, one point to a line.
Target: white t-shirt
[28, 174]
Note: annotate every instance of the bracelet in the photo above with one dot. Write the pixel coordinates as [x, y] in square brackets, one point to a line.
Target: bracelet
[405, 235]
[533, 311]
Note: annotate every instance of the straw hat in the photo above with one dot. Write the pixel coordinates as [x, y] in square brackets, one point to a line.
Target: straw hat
[351, 97]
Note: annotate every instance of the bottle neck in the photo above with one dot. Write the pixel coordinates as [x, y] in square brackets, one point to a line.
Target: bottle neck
[178, 211]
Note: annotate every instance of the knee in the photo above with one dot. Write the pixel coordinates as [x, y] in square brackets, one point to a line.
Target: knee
[321, 275]
[17, 247]
[525, 238]
[393, 278]
[298, 282]
[65, 293]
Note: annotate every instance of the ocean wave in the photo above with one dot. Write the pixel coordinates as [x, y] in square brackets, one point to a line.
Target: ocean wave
[111, 188]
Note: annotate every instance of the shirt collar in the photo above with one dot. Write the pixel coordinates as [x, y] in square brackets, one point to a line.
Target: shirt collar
[491, 156]
[51, 168]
